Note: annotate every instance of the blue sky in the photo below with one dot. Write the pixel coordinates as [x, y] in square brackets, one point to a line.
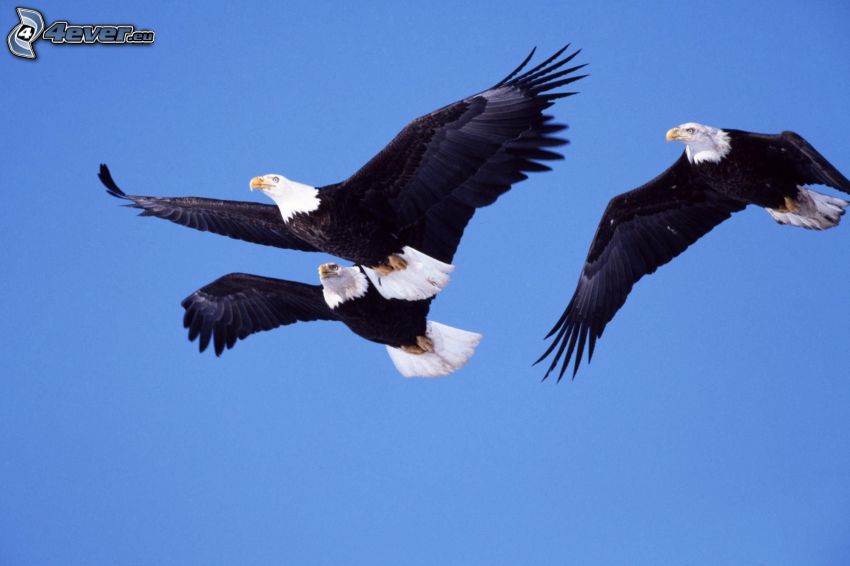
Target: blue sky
[710, 428]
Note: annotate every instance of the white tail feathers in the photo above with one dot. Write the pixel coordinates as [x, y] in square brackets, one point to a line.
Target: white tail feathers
[423, 277]
[817, 211]
[452, 349]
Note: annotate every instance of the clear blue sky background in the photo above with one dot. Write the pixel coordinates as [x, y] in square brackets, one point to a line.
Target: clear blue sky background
[713, 426]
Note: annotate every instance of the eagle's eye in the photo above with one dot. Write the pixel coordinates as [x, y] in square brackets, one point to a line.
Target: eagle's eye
[275, 179]
[689, 130]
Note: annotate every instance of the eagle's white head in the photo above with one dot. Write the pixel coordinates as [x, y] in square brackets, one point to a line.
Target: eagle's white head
[290, 197]
[702, 143]
[340, 284]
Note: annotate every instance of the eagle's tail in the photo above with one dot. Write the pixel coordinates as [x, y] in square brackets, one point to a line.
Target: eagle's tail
[813, 211]
[451, 349]
[410, 275]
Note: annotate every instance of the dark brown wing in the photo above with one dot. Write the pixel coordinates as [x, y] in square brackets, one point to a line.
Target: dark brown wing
[439, 232]
[810, 164]
[249, 221]
[483, 143]
[237, 305]
[639, 231]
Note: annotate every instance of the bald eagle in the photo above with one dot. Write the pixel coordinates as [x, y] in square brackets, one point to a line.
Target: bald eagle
[720, 172]
[237, 305]
[467, 153]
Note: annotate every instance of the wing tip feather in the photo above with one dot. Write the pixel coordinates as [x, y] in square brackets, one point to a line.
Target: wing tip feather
[112, 188]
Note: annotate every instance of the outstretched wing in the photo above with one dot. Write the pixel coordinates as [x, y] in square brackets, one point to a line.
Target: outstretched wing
[474, 149]
[249, 221]
[639, 231]
[810, 165]
[237, 305]
[439, 232]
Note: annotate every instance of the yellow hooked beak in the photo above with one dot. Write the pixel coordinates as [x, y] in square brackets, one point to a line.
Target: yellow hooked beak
[673, 134]
[260, 183]
[328, 270]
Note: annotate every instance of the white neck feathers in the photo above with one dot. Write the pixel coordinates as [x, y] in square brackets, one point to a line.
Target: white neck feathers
[292, 197]
[349, 284]
[712, 149]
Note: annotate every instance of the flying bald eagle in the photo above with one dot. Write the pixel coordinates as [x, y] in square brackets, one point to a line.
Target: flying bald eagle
[719, 173]
[237, 305]
[467, 153]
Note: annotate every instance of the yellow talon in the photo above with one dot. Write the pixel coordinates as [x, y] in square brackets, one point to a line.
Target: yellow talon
[423, 345]
[393, 263]
[397, 262]
[791, 205]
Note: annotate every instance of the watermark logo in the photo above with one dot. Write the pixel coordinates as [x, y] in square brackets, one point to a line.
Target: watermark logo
[32, 28]
[24, 34]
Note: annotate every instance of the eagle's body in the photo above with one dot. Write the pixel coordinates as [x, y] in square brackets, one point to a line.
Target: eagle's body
[332, 229]
[721, 172]
[392, 322]
[763, 175]
[328, 229]
[403, 212]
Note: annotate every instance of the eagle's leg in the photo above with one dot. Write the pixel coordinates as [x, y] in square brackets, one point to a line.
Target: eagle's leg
[423, 345]
[397, 262]
[791, 205]
[394, 263]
